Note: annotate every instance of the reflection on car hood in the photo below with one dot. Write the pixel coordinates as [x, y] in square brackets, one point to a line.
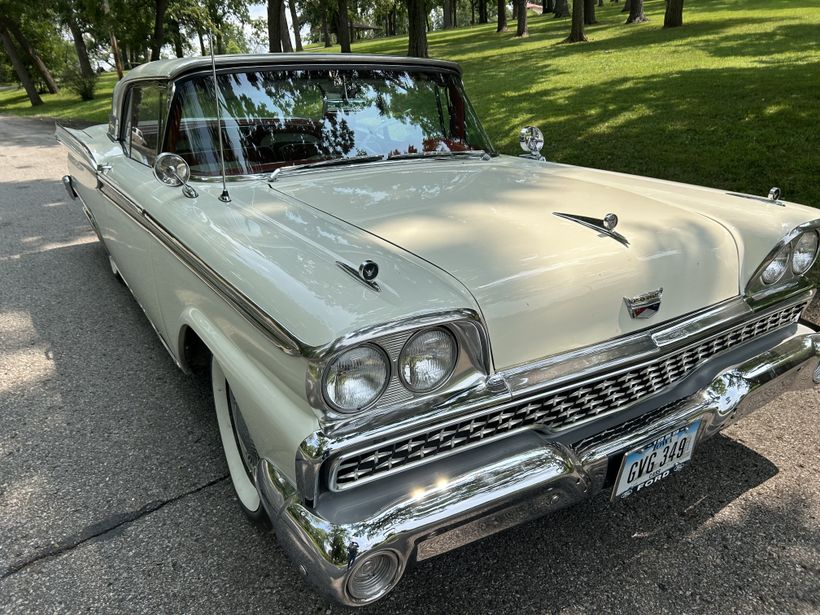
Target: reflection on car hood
[546, 284]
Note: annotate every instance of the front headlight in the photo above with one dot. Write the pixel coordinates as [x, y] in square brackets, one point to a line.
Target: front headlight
[428, 359]
[804, 253]
[356, 378]
[777, 267]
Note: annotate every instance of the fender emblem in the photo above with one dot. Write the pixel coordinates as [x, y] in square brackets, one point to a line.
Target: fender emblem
[645, 305]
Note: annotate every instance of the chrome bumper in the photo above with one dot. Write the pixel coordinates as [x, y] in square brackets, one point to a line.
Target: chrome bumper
[448, 513]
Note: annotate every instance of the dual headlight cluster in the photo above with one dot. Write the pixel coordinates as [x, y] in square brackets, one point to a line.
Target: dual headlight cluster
[797, 255]
[355, 379]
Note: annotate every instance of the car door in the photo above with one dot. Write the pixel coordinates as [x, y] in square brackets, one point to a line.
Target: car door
[127, 181]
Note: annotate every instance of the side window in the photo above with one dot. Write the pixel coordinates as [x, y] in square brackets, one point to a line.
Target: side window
[143, 129]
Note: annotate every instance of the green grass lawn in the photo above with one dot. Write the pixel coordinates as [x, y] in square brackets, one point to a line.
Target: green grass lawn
[731, 100]
[65, 105]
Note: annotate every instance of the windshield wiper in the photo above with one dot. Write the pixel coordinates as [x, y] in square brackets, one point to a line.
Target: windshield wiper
[333, 162]
[441, 155]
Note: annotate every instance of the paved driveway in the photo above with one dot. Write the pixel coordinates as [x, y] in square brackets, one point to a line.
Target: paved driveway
[114, 495]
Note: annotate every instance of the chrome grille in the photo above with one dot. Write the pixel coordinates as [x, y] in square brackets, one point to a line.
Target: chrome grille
[556, 410]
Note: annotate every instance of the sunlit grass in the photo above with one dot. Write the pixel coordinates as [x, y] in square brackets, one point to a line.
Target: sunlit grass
[730, 100]
[64, 105]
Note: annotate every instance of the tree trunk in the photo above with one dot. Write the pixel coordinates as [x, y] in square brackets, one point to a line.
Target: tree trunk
[79, 44]
[284, 33]
[417, 28]
[514, 9]
[636, 12]
[36, 60]
[521, 28]
[326, 30]
[600, 2]
[627, 4]
[550, 6]
[674, 14]
[472, 12]
[502, 16]
[19, 68]
[561, 8]
[297, 26]
[201, 40]
[160, 6]
[450, 7]
[483, 16]
[343, 26]
[115, 46]
[176, 36]
[576, 33]
[275, 26]
[589, 12]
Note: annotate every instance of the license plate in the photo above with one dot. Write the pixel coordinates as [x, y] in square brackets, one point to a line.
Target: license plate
[655, 461]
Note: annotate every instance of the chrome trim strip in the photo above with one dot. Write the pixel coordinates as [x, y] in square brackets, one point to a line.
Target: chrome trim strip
[233, 296]
[596, 225]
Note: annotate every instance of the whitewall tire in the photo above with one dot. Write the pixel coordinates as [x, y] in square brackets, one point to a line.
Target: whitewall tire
[239, 452]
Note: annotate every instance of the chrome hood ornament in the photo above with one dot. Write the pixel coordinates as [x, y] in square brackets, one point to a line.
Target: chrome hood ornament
[645, 305]
[606, 225]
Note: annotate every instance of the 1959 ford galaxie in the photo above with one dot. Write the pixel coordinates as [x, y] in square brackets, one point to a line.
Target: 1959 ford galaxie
[413, 340]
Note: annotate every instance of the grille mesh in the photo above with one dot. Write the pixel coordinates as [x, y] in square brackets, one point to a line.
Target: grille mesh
[557, 410]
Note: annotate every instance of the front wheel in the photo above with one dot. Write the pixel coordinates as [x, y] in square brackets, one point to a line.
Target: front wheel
[240, 452]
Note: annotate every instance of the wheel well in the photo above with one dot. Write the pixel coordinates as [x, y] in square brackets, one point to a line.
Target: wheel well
[196, 356]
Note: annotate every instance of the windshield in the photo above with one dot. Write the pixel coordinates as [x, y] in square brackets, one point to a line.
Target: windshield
[277, 118]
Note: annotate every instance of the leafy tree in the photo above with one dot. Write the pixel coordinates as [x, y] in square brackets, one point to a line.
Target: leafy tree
[19, 67]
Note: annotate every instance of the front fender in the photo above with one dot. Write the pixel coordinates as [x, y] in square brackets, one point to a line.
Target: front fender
[277, 418]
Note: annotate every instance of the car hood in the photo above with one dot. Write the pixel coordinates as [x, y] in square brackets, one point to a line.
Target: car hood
[544, 284]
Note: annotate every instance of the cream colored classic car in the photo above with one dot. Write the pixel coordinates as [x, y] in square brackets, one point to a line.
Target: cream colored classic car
[413, 340]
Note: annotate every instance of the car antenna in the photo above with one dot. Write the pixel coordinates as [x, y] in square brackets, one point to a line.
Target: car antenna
[224, 197]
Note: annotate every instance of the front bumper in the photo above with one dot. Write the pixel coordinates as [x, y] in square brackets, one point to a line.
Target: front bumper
[452, 511]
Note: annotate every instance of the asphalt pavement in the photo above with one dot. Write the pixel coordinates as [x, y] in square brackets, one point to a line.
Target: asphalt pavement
[114, 496]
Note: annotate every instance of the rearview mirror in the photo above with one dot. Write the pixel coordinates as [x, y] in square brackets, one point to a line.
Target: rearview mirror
[172, 170]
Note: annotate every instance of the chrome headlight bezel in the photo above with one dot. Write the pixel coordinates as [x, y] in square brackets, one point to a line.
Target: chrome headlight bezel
[758, 289]
[470, 371]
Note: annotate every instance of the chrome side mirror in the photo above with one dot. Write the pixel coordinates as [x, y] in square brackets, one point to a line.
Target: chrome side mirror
[531, 140]
[172, 170]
